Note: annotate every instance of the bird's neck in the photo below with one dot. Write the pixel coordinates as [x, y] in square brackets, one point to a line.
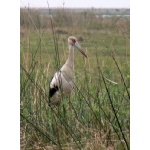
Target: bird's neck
[70, 60]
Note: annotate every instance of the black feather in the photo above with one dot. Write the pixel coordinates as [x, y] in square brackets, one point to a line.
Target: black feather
[52, 91]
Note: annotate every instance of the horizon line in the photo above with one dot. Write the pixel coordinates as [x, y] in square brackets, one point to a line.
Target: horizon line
[77, 7]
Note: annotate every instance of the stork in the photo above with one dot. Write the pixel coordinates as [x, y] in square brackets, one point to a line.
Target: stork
[63, 80]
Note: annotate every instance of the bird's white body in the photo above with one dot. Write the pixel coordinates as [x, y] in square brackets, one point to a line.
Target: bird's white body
[63, 80]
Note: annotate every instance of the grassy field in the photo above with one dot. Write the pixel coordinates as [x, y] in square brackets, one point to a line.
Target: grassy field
[98, 115]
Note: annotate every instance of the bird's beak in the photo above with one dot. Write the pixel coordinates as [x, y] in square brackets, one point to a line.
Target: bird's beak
[79, 48]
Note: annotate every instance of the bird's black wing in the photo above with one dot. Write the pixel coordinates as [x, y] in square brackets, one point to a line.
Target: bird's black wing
[52, 91]
[54, 85]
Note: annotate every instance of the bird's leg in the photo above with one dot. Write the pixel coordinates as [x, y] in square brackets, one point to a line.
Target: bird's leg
[70, 103]
[68, 97]
[72, 107]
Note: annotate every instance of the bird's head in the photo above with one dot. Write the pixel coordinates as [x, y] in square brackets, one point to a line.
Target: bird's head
[73, 42]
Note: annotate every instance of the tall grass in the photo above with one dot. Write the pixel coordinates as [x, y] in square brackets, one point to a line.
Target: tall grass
[97, 114]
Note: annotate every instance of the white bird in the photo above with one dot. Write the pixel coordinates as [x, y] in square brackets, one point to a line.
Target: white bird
[63, 80]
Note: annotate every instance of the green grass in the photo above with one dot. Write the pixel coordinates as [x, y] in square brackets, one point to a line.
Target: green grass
[98, 114]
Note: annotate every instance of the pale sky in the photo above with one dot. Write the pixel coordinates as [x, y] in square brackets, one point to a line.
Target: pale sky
[77, 3]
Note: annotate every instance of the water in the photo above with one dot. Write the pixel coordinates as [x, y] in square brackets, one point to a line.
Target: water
[104, 16]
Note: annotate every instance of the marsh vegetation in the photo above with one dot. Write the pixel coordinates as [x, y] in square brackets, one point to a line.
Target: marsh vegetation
[98, 115]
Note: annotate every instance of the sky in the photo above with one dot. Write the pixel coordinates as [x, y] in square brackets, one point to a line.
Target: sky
[77, 3]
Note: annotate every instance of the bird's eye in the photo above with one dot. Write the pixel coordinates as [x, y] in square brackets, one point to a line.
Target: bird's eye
[73, 40]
